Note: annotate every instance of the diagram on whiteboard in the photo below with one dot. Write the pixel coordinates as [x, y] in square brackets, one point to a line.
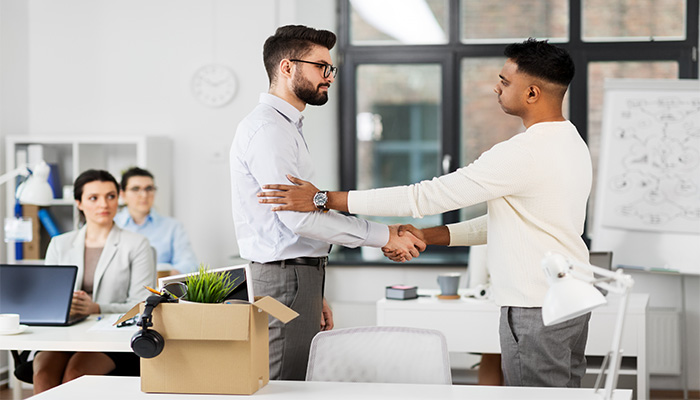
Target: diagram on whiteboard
[653, 159]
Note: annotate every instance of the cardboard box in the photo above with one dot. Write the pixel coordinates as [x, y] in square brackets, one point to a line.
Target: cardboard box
[211, 348]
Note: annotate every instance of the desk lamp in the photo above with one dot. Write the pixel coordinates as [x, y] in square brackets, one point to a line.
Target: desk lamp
[573, 293]
[35, 189]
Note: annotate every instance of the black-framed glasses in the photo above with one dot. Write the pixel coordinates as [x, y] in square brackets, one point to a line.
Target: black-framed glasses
[328, 69]
[138, 189]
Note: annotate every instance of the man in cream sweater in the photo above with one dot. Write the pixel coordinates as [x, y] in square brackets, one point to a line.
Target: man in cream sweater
[536, 186]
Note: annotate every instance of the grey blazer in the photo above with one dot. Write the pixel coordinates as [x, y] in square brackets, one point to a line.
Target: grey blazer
[126, 265]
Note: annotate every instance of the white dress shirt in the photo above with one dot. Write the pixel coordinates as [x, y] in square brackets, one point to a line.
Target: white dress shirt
[269, 145]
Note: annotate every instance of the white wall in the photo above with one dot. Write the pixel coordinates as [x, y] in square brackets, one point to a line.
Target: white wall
[107, 67]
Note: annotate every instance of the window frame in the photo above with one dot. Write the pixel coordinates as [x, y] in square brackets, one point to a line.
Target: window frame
[450, 55]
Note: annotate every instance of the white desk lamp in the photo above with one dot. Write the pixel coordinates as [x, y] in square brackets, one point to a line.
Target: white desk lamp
[573, 294]
[35, 189]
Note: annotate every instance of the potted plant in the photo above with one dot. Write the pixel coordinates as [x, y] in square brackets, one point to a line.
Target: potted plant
[208, 286]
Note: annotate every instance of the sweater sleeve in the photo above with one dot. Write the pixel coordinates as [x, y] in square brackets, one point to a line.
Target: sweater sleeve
[468, 233]
[501, 171]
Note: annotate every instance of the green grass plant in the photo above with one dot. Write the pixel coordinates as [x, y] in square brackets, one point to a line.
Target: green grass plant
[208, 286]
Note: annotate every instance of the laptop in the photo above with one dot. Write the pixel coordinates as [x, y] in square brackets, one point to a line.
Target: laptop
[243, 285]
[602, 259]
[40, 294]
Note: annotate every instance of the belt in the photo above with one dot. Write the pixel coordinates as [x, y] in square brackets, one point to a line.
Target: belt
[310, 261]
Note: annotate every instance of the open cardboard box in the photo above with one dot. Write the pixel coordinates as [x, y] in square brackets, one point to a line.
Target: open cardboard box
[211, 348]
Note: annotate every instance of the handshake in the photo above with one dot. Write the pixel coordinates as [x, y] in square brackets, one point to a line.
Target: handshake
[405, 243]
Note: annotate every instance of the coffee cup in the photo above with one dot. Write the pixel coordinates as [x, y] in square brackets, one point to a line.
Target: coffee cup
[449, 284]
[9, 322]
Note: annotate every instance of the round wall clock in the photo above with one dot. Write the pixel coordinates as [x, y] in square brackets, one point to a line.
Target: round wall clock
[214, 85]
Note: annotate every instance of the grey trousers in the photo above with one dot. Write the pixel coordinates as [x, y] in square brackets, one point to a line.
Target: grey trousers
[299, 287]
[538, 355]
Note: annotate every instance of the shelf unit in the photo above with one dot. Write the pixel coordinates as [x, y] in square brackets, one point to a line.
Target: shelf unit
[74, 154]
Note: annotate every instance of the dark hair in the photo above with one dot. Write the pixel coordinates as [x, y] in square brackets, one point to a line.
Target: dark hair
[293, 41]
[91, 175]
[86, 177]
[542, 60]
[134, 171]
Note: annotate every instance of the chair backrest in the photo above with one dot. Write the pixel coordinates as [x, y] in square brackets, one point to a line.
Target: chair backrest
[379, 354]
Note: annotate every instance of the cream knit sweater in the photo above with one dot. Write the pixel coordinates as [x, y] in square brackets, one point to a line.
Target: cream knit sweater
[536, 186]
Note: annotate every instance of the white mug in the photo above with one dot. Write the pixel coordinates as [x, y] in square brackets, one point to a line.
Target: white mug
[9, 322]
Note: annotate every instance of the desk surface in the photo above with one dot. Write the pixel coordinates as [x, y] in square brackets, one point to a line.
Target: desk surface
[471, 325]
[118, 388]
[87, 335]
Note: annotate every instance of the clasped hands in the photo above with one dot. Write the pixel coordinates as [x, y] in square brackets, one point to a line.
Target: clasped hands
[405, 241]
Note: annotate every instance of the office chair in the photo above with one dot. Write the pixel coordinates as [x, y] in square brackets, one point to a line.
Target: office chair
[379, 354]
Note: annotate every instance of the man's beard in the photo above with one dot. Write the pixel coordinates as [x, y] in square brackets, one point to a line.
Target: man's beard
[305, 91]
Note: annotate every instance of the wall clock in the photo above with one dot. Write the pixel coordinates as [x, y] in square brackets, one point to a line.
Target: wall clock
[214, 85]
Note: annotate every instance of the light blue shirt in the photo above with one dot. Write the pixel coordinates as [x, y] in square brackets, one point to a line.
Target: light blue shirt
[269, 145]
[167, 236]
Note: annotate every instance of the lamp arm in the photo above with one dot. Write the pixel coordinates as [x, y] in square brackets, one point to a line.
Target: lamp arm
[616, 282]
[619, 283]
[10, 175]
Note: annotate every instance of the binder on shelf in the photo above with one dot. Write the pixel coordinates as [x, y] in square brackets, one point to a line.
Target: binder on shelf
[47, 221]
[55, 181]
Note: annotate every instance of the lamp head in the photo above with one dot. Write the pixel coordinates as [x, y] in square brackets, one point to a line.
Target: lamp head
[568, 297]
[36, 189]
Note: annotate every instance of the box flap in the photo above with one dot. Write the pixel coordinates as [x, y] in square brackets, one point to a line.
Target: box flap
[129, 314]
[198, 321]
[275, 308]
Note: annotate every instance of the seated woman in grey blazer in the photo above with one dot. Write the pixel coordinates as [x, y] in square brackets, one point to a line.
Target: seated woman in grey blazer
[114, 266]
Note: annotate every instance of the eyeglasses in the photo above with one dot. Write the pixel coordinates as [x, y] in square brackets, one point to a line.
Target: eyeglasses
[328, 69]
[138, 189]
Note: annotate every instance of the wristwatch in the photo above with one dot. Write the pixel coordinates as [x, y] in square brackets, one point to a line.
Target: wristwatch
[321, 199]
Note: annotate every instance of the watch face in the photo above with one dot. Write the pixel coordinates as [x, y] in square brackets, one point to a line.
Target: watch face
[320, 199]
[214, 85]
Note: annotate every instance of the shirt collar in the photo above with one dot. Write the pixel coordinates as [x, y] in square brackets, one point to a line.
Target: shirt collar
[289, 111]
[150, 218]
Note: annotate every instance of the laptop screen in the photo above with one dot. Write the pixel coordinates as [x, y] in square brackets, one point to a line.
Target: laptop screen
[243, 287]
[602, 259]
[40, 294]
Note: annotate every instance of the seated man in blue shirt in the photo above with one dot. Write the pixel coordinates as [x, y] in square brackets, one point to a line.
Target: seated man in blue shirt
[166, 234]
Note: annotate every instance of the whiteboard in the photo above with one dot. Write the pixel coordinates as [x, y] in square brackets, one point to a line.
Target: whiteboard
[648, 193]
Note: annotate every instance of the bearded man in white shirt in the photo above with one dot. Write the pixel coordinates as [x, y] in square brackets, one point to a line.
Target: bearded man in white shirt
[289, 251]
[536, 186]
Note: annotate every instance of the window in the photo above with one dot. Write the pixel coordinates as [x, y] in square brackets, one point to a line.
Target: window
[417, 98]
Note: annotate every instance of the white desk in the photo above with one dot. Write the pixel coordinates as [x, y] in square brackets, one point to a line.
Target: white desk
[79, 337]
[471, 325]
[119, 388]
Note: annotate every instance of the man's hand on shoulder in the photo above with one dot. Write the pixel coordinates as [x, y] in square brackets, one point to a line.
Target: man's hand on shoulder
[296, 197]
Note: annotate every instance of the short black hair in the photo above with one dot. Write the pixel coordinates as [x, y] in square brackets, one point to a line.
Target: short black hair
[542, 60]
[293, 42]
[134, 171]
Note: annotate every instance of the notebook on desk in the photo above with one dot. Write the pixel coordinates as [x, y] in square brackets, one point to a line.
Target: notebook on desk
[40, 294]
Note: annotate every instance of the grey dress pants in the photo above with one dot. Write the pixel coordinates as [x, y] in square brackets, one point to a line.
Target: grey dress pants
[538, 355]
[299, 287]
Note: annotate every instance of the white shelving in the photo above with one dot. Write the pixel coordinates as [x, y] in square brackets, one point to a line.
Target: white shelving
[75, 154]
